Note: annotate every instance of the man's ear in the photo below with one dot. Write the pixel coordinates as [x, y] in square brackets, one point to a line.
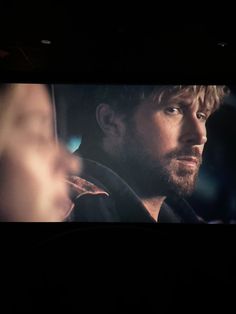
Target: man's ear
[110, 122]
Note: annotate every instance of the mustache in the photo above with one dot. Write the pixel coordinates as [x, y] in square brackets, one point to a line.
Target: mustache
[186, 152]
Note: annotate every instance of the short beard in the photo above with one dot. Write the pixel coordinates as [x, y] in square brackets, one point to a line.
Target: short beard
[149, 177]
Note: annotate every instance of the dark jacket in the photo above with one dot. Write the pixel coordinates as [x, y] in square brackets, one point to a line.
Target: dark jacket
[101, 195]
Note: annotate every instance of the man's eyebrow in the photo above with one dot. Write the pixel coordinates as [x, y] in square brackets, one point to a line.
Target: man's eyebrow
[186, 103]
[205, 108]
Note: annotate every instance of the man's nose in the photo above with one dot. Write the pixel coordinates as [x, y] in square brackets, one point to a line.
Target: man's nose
[194, 132]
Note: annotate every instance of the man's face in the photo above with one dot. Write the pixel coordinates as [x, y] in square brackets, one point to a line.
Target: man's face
[32, 166]
[163, 145]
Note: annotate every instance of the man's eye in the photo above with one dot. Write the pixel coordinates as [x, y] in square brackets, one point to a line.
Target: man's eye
[173, 110]
[202, 116]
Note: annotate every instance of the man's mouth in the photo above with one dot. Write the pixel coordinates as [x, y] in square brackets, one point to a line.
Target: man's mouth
[188, 161]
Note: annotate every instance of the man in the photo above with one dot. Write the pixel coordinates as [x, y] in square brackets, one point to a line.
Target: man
[142, 148]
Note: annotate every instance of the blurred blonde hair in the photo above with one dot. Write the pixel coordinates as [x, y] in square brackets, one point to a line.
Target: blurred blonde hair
[6, 112]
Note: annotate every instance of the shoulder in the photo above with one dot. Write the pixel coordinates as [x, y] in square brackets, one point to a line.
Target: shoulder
[183, 210]
[90, 201]
[91, 196]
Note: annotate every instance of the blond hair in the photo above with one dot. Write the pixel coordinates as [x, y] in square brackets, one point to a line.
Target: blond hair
[211, 96]
[125, 99]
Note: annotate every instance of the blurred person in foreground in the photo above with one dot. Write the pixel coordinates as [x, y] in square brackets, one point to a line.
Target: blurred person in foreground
[33, 167]
[142, 149]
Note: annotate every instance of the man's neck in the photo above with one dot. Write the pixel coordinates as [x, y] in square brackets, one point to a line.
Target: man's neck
[153, 205]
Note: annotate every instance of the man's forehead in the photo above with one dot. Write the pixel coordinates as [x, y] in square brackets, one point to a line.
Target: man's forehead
[189, 98]
[198, 100]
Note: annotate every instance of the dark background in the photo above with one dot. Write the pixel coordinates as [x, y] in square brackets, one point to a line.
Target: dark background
[117, 42]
